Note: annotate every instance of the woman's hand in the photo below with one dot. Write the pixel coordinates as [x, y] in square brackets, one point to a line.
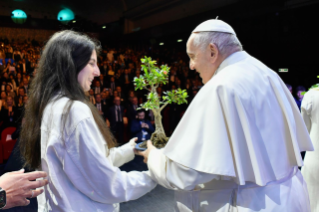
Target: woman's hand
[132, 142]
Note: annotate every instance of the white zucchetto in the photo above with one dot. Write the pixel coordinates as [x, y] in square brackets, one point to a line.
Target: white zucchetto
[214, 25]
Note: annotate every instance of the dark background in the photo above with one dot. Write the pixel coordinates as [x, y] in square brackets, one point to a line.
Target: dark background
[282, 34]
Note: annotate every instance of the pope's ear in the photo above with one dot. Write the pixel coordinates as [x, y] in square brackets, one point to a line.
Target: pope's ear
[214, 52]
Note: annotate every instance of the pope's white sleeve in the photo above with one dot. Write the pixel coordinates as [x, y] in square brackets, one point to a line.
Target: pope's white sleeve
[94, 175]
[306, 106]
[122, 154]
[173, 175]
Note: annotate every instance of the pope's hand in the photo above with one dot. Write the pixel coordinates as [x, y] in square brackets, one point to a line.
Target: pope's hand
[145, 153]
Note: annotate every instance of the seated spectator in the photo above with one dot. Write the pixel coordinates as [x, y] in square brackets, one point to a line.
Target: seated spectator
[120, 93]
[3, 100]
[18, 79]
[132, 109]
[126, 79]
[106, 97]
[141, 127]
[102, 81]
[13, 82]
[115, 116]
[103, 68]
[289, 88]
[25, 84]
[299, 95]
[2, 65]
[97, 89]
[8, 114]
[19, 102]
[102, 108]
[91, 96]
[112, 85]
[12, 69]
[131, 95]
[9, 90]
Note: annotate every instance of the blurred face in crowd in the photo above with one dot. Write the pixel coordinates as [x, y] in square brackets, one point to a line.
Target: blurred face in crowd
[173, 87]
[300, 95]
[138, 73]
[87, 74]
[131, 94]
[98, 98]
[178, 82]
[141, 115]
[134, 101]
[3, 95]
[8, 88]
[91, 92]
[290, 89]
[5, 75]
[103, 95]
[112, 79]
[117, 101]
[115, 94]
[97, 84]
[101, 77]
[118, 89]
[21, 92]
[107, 93]
[9, 101]
[25, 99]
[25, 81]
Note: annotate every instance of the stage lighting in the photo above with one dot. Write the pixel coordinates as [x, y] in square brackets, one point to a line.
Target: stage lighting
[161, 44]
[19, 16]
[65, 15]
[180, 40]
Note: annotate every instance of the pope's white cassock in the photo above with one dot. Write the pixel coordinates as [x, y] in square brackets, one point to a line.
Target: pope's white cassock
[237, 147]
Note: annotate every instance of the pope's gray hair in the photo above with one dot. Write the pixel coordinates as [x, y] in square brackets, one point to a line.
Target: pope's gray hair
[225, 42]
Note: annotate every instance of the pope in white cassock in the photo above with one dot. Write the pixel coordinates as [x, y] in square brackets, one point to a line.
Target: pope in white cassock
[237, 147]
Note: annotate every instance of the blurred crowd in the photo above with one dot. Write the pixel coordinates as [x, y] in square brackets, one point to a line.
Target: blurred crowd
[112, 92]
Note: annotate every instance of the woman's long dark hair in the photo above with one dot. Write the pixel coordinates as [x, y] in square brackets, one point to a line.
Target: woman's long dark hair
[63, 57]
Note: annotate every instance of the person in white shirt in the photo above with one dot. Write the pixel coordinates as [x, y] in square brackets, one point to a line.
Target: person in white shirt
[237, 147]
[310, 170]
[66, 137]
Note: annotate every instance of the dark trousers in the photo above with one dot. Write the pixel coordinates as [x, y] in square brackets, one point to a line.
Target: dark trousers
[118, 131]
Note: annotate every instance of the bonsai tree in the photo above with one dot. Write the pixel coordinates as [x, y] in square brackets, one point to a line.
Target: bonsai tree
[150, 80]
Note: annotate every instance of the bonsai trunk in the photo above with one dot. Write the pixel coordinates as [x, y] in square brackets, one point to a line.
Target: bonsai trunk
[158, 138]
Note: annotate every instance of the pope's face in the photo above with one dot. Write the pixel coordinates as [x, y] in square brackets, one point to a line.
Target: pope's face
[201, 60]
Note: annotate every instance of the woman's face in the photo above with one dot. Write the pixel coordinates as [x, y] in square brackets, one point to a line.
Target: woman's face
[87, 74]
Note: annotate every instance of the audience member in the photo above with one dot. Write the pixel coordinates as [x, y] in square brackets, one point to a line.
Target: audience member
[115, 116]
[299, 95]
[101, 107]
[141, 128]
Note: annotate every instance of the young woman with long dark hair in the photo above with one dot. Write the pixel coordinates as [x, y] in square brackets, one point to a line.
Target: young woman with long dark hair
[64, 135]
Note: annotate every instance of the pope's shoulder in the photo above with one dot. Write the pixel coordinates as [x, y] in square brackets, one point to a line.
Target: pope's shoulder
[244, 77]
